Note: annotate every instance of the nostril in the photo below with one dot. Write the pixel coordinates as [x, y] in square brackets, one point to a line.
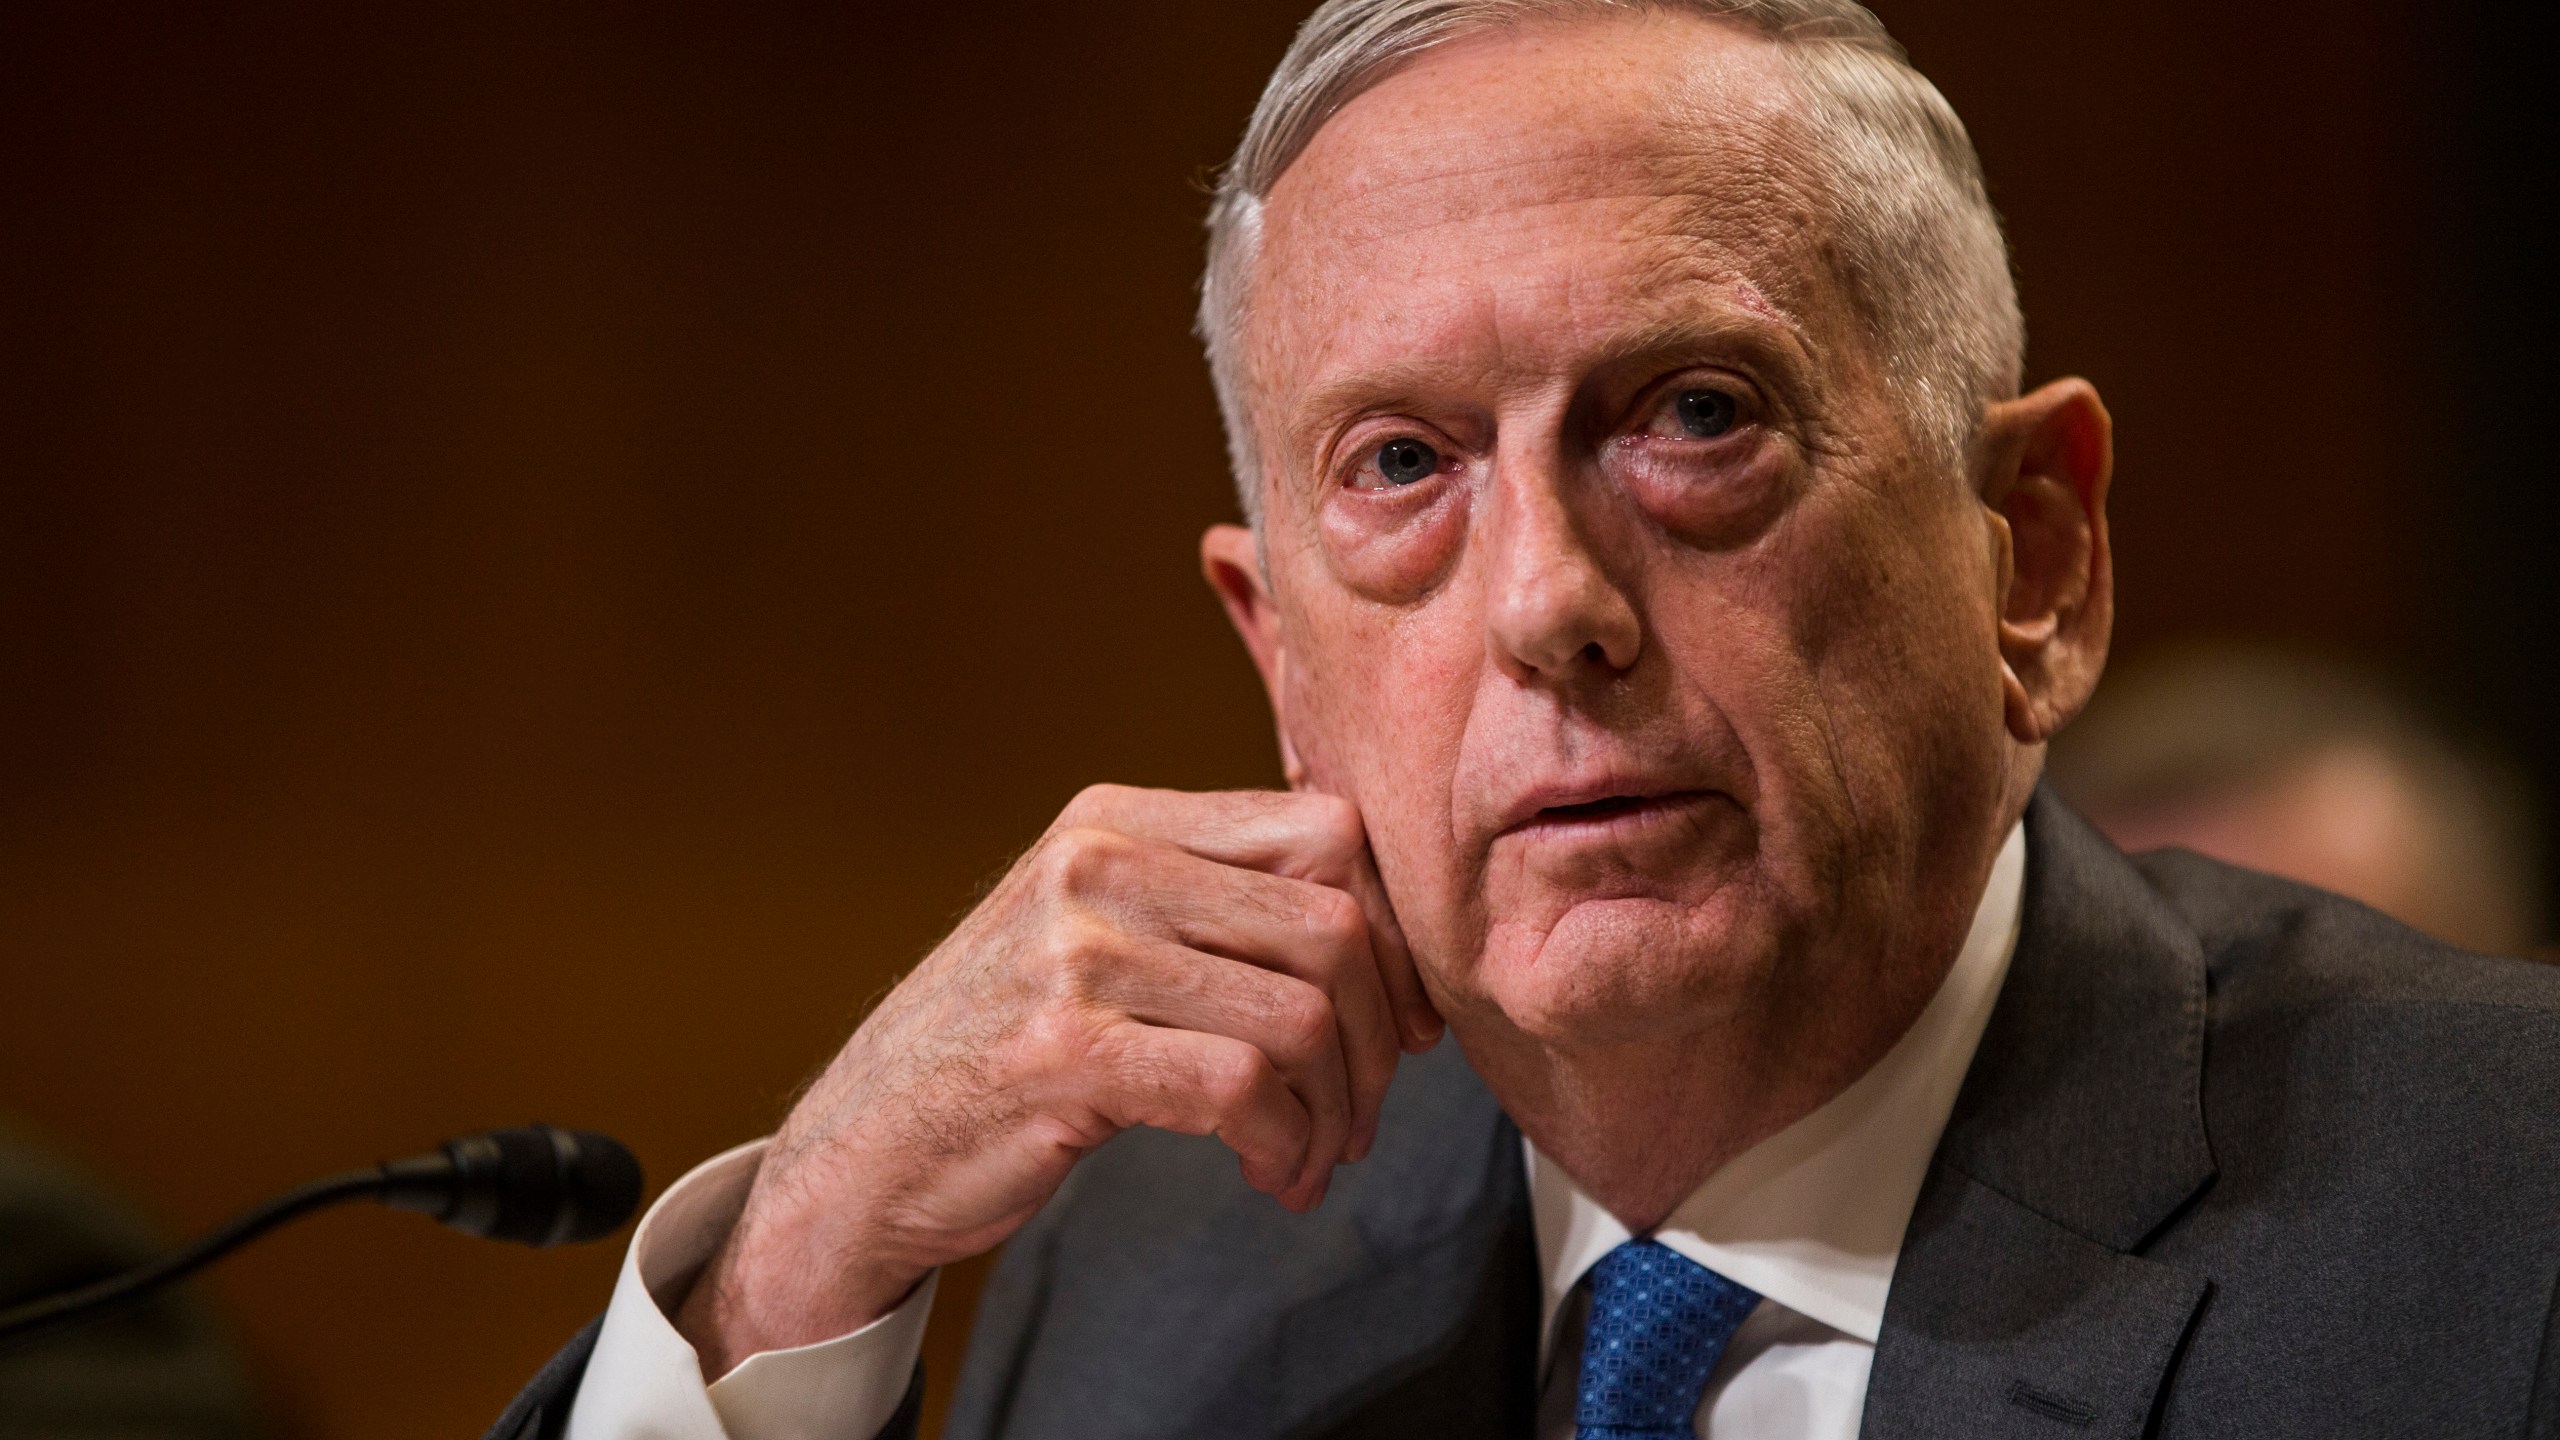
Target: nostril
[1551, 618]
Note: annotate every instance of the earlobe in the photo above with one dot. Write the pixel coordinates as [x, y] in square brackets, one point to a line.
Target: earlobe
[1292, 769]
[2050, 457]
[1231, 559]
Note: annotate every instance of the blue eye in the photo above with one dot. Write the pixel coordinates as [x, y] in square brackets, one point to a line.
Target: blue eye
[1402, 462]
[1705, 414]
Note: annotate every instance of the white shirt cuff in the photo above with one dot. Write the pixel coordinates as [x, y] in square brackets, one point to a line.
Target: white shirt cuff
[645, 1383]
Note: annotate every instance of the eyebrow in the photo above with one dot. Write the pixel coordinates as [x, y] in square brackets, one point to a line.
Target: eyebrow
[1756, 322]
[1748, 312]
[1366, 389]
[1768, 330]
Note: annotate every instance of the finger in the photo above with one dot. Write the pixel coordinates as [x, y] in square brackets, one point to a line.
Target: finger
[1417, 1021]
[1262, 830]
[1289, 1020]
[1145, 888]
[1331, 847]
[1195, 1083]
[1315, 933]
[1301, 835]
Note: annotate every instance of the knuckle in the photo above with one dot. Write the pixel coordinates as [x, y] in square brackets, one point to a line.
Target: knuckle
[1306, 1021]
[1337, 919]
[1081, 860]
[1233, 1078]
[1079, 951]
[1060, 1041]
[1092, 801]
[1337, 822]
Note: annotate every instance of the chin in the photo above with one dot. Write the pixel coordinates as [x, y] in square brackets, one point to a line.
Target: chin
[1613, 971]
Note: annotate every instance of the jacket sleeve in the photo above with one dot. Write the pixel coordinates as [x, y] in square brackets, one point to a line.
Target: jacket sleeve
[541, 1409]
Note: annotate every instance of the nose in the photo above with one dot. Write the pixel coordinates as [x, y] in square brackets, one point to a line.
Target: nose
[1554, 608]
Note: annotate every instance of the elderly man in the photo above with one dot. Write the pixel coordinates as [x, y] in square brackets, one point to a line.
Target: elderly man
[1665, 597]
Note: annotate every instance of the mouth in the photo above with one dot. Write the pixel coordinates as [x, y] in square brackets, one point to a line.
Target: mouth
[1606, 812]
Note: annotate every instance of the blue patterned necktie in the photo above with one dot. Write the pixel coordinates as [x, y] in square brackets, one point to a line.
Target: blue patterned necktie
[1659, 1323]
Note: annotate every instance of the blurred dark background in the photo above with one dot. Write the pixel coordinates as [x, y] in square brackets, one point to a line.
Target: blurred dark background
[545, 550]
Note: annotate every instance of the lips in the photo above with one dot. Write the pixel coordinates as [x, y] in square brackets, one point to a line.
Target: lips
[1596, 802]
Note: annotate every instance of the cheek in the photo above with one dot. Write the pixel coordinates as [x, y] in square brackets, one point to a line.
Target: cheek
[1898, 647]
[1380, 699]
[1384, 708]
[1735, 633]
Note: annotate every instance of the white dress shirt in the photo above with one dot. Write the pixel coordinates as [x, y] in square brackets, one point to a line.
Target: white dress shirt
[1811, 1218]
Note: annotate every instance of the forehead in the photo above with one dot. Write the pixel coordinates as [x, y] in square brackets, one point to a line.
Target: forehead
[1534, 189]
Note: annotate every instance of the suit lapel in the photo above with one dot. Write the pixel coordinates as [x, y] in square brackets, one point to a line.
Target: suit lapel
[2003, 1323]
[2021, 1304]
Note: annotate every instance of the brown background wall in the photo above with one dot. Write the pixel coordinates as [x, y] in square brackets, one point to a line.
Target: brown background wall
[545, 550]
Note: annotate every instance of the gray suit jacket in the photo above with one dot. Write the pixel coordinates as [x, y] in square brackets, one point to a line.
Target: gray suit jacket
[2235, 1158]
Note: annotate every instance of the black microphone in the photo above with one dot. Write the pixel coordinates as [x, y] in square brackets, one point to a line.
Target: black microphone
[536, 1185]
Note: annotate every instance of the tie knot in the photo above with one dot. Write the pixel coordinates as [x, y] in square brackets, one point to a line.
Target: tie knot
[1659, 1323]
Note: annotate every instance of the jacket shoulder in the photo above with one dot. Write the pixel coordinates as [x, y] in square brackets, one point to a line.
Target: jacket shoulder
[2452, 1043]
[2377, 1107]
[2270, 942]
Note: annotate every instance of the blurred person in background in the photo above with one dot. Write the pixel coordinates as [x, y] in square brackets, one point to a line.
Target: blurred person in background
[2318, 770]
[160, 1372]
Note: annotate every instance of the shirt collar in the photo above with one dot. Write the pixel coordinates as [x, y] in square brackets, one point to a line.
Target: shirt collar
[1813, 1216]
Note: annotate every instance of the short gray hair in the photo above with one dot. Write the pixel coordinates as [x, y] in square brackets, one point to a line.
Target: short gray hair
[1919, 244]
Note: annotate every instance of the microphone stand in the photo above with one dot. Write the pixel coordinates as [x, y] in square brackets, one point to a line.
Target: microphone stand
[35, 1320]
[536, 1185]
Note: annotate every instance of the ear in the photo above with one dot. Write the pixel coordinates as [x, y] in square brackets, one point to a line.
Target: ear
[1231, 558]
[2047, 458]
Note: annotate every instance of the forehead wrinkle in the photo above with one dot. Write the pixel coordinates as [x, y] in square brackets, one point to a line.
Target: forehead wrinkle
[1478, 120]
[1633, 212]
[1651, 290]
[1367, 208]
[1697, 174]
[1698, 196]
[1718, 174]
[1400, 307]
[1687, 328]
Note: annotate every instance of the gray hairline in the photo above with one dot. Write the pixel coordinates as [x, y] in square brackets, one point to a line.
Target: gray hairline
[1921, 249]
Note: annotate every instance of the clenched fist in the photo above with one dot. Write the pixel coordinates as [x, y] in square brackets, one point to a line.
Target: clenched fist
[1219, 964]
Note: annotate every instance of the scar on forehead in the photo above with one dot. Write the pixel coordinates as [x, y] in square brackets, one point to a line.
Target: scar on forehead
[1748, 296]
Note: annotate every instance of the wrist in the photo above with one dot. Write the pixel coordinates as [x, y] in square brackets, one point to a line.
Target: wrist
[762, 1292]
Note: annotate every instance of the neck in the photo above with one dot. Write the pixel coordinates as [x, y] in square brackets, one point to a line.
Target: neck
[1642, 1121]
[1640, 1125]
